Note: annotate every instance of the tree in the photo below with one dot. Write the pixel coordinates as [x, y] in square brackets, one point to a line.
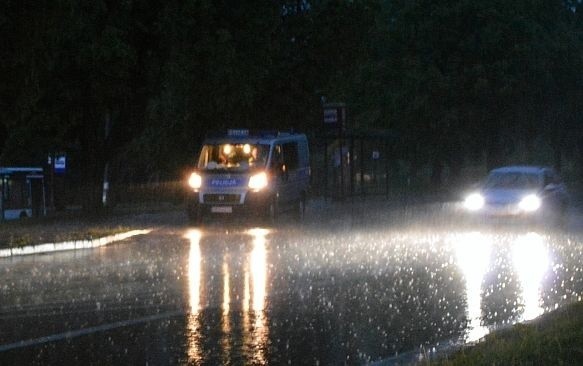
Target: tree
[462, 76]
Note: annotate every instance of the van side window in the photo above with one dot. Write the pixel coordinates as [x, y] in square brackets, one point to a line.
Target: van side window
[277, 157]
[290, 154]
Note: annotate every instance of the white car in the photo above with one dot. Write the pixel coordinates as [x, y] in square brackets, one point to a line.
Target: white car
[525, 192]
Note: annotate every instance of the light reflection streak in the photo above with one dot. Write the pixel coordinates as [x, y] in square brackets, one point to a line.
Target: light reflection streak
[246, 293]
[531, 262]
[226, 288]
[194, 290]
[226, 321]
[258, 272]
[255, 330]
[473, 257]
[257, 267]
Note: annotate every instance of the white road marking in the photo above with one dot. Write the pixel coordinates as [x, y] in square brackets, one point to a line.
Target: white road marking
[86, 331]
[70, 245]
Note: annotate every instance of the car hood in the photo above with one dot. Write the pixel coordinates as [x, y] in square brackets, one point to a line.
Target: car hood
[505, 196]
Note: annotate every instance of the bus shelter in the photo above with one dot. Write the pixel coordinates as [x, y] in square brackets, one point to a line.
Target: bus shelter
[354, 162]
[23, 192]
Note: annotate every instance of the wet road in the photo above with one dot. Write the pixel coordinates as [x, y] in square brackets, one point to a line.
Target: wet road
[328, 291]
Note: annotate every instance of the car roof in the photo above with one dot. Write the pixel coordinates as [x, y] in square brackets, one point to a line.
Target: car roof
[524, 169]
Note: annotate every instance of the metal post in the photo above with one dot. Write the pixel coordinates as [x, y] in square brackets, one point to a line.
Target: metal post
[105, 188]
[362, 166]
[325, 170]
[2, 181]
[341, 165]
[351, 165]
[386, 168]
[44, 197]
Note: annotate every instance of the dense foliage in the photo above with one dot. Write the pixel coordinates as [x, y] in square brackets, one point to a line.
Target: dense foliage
[132, 86]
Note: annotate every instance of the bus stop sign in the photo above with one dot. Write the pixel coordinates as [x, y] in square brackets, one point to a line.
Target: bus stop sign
[334, 115]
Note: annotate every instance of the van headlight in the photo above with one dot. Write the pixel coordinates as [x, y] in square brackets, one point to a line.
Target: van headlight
[530, 203]
[474, 202]
[195, 181]
[258, 181]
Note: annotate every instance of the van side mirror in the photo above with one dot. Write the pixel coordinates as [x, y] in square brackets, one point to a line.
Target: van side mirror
[550, 187]
[279, 169]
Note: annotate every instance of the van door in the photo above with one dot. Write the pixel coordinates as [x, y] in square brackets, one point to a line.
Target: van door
[278, 168]
[291, 163]
[282, 166]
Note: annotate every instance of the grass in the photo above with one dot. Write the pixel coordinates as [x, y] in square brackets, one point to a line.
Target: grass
[20, 233]
[553, 339]
[77, 225]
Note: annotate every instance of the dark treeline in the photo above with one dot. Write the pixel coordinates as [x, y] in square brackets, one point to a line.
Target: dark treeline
[129, 88]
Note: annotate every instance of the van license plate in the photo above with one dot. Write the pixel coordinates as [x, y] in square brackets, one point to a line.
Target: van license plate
[222, 209]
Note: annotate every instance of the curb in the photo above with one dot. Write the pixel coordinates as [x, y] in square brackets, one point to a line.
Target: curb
[70, 245]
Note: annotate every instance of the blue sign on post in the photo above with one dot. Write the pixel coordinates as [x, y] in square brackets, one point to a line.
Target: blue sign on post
[335, 115]
[60, 164]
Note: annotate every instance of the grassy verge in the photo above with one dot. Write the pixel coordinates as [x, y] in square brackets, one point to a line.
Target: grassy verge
[20, 233]
[554, 339]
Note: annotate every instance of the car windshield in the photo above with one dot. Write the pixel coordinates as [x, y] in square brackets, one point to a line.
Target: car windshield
[239, 157]
[512, 180]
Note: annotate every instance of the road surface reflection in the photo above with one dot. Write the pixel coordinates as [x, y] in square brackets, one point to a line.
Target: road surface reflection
[529, 255]
[194, 291]
[295, 295]
[406, 283]
[252, 303]
[531, 262]
[473, 257]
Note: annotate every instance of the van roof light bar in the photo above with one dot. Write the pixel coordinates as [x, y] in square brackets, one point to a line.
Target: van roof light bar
[245, 133]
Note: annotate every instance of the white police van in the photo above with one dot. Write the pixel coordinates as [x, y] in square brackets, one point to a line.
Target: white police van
[250, 174]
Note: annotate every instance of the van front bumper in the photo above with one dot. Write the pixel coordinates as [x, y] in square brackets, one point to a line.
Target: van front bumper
[247, 204]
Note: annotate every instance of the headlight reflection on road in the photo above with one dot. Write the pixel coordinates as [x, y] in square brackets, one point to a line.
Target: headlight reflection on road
[473, 257]
[252, 302]
[226, 320]
[256, 271]
[194, 270]
[531, 262]
[226, 288]
[258, 267]
[194, 281]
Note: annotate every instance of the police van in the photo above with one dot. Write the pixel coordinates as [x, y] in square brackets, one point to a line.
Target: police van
[250, 174]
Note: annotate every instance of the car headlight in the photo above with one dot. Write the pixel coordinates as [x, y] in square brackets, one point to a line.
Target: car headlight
[195, 181]
[258, 181]
[530, 203]
[474, 202]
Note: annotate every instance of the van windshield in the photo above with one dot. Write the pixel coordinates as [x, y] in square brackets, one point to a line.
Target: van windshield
[512, 180]
[238, 157]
